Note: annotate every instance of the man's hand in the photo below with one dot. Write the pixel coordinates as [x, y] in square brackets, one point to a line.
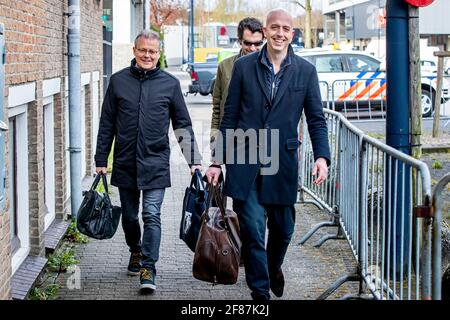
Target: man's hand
[101, 170]
[195, 167]
[320, 166]
[213, 174]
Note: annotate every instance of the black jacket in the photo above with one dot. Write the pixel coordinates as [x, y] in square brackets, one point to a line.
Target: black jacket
[249, 106]
[136, 112]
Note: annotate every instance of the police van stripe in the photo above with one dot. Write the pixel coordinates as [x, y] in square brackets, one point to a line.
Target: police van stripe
[368, 85]
[359, 76]
[379, 91]
[376, 74]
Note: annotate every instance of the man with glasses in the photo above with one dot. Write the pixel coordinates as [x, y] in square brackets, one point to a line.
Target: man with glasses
[250, 35]
[139, 104]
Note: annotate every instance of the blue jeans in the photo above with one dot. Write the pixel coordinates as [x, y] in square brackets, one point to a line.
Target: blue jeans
[151, 212]
[260, 263]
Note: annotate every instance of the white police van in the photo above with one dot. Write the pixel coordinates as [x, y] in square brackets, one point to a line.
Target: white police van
[357, 80]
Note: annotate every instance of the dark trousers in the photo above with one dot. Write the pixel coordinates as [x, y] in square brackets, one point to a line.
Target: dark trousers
[151, 211]
[260, 262]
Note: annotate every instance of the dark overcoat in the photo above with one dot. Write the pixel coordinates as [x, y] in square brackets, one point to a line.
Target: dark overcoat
[136, 112]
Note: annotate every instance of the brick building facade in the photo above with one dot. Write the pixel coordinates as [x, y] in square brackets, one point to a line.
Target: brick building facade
[35, 108]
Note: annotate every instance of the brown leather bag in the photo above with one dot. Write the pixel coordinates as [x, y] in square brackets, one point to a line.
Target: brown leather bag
[218, 249]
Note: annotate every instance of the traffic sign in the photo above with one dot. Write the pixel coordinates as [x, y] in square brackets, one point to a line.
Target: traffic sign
[419, 3]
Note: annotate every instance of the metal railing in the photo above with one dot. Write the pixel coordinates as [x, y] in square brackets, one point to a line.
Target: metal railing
[437, 235]
[326, 195]
[392, 186]
[381, 204]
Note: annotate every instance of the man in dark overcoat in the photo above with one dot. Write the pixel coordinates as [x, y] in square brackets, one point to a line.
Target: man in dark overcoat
[268, 92]
[139, 104]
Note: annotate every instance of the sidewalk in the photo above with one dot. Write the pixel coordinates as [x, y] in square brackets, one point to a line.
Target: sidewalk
[102, 269]
[103, 264]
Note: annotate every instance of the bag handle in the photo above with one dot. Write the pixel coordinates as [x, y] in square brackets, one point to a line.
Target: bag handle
[105, 183]
[197, 181]
[94, 186]
[96, 181]
[213, 193]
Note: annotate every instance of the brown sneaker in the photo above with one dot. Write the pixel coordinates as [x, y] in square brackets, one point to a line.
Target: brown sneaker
[277, 284]
[134, 266]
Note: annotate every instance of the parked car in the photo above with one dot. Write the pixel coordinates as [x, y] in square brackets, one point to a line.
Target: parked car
[349, 78]
[428, 66]
[202, 76]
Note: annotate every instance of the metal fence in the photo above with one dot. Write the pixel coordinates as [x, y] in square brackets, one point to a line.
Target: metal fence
[437, 235]
[380, 199]
[326, 195]
[365, 99]
[359, 99]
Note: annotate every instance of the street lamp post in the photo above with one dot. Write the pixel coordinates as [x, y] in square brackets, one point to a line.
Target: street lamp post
[191, 32]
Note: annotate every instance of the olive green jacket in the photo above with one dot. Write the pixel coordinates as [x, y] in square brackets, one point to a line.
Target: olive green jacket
[220, 92]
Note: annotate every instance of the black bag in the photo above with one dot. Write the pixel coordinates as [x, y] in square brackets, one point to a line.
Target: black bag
[194, 203]
[97, 217]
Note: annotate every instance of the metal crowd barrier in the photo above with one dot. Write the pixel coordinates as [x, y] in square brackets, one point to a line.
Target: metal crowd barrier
[437, 235]
[325, 94]
[382, 206]
[326, 195]
[359, 99]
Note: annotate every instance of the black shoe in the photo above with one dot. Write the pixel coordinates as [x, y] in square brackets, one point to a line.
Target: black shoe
[260, 297]
[147, 280]
[134, 266]
[277, 284]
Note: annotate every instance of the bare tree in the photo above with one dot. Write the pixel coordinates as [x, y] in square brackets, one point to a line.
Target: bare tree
[317, 22]
[166, 12]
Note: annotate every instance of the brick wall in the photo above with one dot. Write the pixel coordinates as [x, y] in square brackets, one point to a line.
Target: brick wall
[60, 157]
[5, 258]
[36, 180]
[91, 60]
[91, 32]
[36, 46]
[89, 157]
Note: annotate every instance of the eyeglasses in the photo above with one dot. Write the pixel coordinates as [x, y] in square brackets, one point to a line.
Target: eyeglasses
[256, 44]
[143, 52]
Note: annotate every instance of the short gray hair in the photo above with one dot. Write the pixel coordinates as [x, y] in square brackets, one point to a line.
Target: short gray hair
[147, 34]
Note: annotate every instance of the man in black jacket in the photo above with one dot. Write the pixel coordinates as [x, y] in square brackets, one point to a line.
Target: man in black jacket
[137, 109]
[268, 92]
